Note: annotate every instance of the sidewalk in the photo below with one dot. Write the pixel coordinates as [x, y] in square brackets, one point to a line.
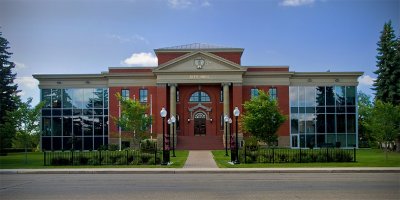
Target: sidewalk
[200, 160]
[200, 170]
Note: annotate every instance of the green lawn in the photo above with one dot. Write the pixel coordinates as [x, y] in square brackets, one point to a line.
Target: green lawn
[365, 158]
[35, 160]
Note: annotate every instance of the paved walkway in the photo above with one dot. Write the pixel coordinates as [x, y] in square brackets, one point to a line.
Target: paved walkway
[200, 159]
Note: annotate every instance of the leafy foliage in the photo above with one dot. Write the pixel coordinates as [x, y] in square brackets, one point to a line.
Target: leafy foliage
[8, 95]
[364, 112]
[262, 117]
[387, 84]
[133, 118]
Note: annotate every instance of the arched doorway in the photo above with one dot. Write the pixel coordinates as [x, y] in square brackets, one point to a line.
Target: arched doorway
[200, 123]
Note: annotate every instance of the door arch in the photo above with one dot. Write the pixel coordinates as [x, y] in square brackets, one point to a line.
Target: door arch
[200, 123]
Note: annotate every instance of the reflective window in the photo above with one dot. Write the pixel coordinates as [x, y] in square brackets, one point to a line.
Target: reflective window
[67, 98]
[272, 93]
[98, 98]
[105, 98]
[143, 95]
[253, 92]
[310, 100]
[294, 123]
[320, 96]
[77, 100]
[199, 97]
[88, 98]
[295, 141]
[351, 95]
[46, 126]
[330, 97]
[293, 95]
[339, 95]
[351, 123]
[67, 126]
[56, 98]
[310, 123]
[56, 126]
[125, 94]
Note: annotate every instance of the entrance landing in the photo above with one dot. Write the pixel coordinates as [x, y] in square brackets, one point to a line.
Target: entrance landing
[206, 142]
[200, 159]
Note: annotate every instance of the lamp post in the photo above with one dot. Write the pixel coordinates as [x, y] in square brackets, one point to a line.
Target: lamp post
[173, 120]
[226, 119]
[236, 113]
[165, 160]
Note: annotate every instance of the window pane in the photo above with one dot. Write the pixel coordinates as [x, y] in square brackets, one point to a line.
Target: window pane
[294, 123]
[351, 123]
[293, 95]
[57, 143]
[330, 123]
[87, 125]
[302, 98]
[56, 112]
[88, 143]
[88, 98]
[341, 123]
[194, 97]
[98, 125]
[98, 98]
[46, 112]
[77, 98]
[254, 92]
[56, 121]
[310, 140]
[331, 139]
[143, 95]
[295, 140]
[330, 97]
[339, 95]
[272, 93]
[321, 123]
[67, 143]
[105, 98]
[320, 140]
[77, 120]
[294, 110]
[320, 98]
[302, 123]
[342, 139]
[46, 143]
[125, 94]
[105, 126]
[351, 140]
[351, 95]
[67, 98]
[67, 112]
[310, 97]
[204, 97]
[302, 141]
[46, 126]
[98, 141]
[310, 123]
[67, 126]
[46, 97]
[56, 98]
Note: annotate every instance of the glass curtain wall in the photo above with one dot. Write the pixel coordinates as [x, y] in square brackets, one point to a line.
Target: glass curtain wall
[323, 116]
[74, 118]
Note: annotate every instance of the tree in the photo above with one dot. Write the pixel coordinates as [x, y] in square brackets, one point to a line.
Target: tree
[384, 123]
[8, 95]
[387, 84]
[364, 112]
[27, 126]
[133, 118]
[262, 117]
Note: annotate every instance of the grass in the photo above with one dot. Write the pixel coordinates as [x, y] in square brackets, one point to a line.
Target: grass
[35, 161]
[365, 158]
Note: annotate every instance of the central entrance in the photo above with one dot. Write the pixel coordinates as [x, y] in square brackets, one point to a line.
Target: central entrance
[200, 123]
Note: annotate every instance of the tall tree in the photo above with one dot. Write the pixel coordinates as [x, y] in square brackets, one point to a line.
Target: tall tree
[387, 84]
[133, 118]
[8, 95]
[262, 117]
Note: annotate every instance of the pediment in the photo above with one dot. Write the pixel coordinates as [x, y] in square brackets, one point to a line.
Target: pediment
[198, 62]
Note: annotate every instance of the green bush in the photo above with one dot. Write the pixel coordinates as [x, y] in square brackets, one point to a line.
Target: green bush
[251, 143]
[148, 146]
[113, 147]
[57, 161]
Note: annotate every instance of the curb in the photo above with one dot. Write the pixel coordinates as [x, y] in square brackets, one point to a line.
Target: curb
[200, 170]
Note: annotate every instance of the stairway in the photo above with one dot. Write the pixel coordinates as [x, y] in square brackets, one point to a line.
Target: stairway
[200, 143]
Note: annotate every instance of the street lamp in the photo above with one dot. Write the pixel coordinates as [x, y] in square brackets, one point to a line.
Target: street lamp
[226, 119]
[165, 160]
[236, 113]
[173, 120]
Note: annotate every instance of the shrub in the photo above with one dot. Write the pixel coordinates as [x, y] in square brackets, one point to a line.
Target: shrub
[251, 143]
[147, 146]
[145, 157]
[113, 147]
[60, 161]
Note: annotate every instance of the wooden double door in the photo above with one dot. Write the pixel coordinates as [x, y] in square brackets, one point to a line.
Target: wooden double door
[200, 123]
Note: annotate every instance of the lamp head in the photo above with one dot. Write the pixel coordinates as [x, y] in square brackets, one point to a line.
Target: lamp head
[173, 119]
[163, 112]
[236, 112]
[169, 121]
[230, 120]
[226, 118]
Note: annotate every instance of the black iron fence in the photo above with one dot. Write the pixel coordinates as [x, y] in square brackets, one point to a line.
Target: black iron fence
[272, 155]
[125, 157]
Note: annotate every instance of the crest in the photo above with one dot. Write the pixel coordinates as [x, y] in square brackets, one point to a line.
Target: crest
[199, 63]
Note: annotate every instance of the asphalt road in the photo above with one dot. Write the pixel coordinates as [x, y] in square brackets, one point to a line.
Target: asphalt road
[201, 186]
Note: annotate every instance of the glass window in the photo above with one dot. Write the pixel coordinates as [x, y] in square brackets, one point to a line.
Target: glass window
[342, 139]
[46, 126]
[67, 143]
[330, 123]
[320, 123]
[98, 98]
[310, 140]
[293, 95]
[294, 123]
[143, 95]
[77, 120]
[46, 112]
[105, 126]
[125, 94]
[351, 140]
[77, 98]
[310, 97]
[320, 97]
[88, 143]
[87, 125]
[302, 141]
[199, 97]
[98, 141]
[56, 122]
[272, 93]
[351, 123]
[67, 98]
[302, 123]
[56, 98]
[46, 97]
[330, 97]
[88, 98]
[67, 126]
[253, 92]
[310, 123]
[46, 143]
[351, 95]
[302, 98]
[339, 95]
[331, 139]
[320, 140]
[98, 125]
[341, 123]
[295, 141]
[105, 98]
[57, 143]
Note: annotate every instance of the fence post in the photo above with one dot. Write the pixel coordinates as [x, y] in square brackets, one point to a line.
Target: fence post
[44, 159]
[245, 155]
[327, 154]
[126, 157]
[300, 155]
[72, 157]
[354, 155]
[273, 155]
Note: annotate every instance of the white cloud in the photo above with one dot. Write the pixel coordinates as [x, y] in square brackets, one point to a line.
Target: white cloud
[29, 88]
[19, 66]
[206, 4]
[132, 39]
[366, 80]
[178, 4]
[141, 59]
[296, 2]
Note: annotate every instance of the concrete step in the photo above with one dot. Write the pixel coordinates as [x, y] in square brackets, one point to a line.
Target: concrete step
[200, 143]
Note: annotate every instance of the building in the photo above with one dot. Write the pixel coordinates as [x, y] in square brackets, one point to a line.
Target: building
[199, 84]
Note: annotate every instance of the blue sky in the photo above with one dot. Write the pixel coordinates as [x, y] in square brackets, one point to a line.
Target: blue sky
[88, 36]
